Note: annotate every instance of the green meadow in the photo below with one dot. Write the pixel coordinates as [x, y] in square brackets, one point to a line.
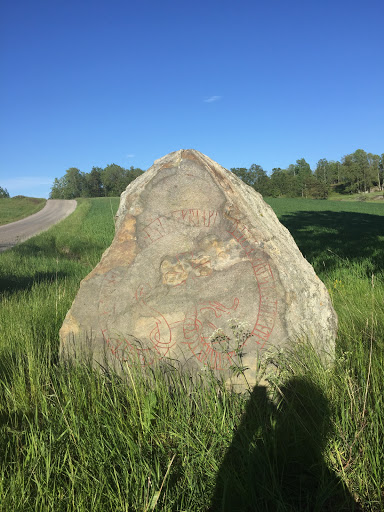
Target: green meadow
[72, 438]
[16, 208]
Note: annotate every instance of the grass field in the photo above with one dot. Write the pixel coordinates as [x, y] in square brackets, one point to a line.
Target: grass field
[16, 208]
[74, 439]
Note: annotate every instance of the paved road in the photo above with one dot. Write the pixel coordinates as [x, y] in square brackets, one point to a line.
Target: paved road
[19, 231]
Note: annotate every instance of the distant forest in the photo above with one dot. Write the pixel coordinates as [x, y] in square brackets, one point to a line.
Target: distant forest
[356, 173]
[110, 181]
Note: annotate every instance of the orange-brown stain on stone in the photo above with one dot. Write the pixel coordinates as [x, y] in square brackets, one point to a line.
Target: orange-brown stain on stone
[168, 165]
[127, 229]
[188, 155]
[123, 249]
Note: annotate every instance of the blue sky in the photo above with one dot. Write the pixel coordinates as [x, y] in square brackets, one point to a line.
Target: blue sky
[89, 83]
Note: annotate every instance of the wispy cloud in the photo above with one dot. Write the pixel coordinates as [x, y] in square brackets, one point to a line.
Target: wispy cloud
[211, 99]
[129, 155]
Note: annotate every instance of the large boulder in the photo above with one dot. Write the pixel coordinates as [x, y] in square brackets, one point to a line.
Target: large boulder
[200, 273]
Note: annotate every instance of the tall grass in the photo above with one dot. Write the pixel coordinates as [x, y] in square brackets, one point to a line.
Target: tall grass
[72, 438]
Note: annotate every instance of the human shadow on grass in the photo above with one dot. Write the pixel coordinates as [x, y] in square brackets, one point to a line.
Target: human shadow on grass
[326, 236]
[275, 462]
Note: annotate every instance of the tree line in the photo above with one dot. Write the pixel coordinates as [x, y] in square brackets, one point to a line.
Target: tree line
[355, 173]
[110, 181]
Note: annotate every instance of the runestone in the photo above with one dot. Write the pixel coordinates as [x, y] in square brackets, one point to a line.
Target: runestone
[200, 272]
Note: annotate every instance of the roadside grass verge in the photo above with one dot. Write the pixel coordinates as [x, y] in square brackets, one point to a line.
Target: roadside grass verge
[72, 438]
[16, 208]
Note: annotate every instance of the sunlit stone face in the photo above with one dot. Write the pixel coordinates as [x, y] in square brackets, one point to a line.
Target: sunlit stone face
[203, 287]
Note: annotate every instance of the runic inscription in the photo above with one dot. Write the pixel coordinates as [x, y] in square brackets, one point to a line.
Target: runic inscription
[202, 325]
[161, 226]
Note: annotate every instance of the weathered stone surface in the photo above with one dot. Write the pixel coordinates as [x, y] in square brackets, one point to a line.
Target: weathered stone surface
[199, 266]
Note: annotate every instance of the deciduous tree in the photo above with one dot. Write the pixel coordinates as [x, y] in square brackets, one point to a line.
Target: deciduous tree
[73, 183]
[113, 179]
[93, 186]
[4, 192]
